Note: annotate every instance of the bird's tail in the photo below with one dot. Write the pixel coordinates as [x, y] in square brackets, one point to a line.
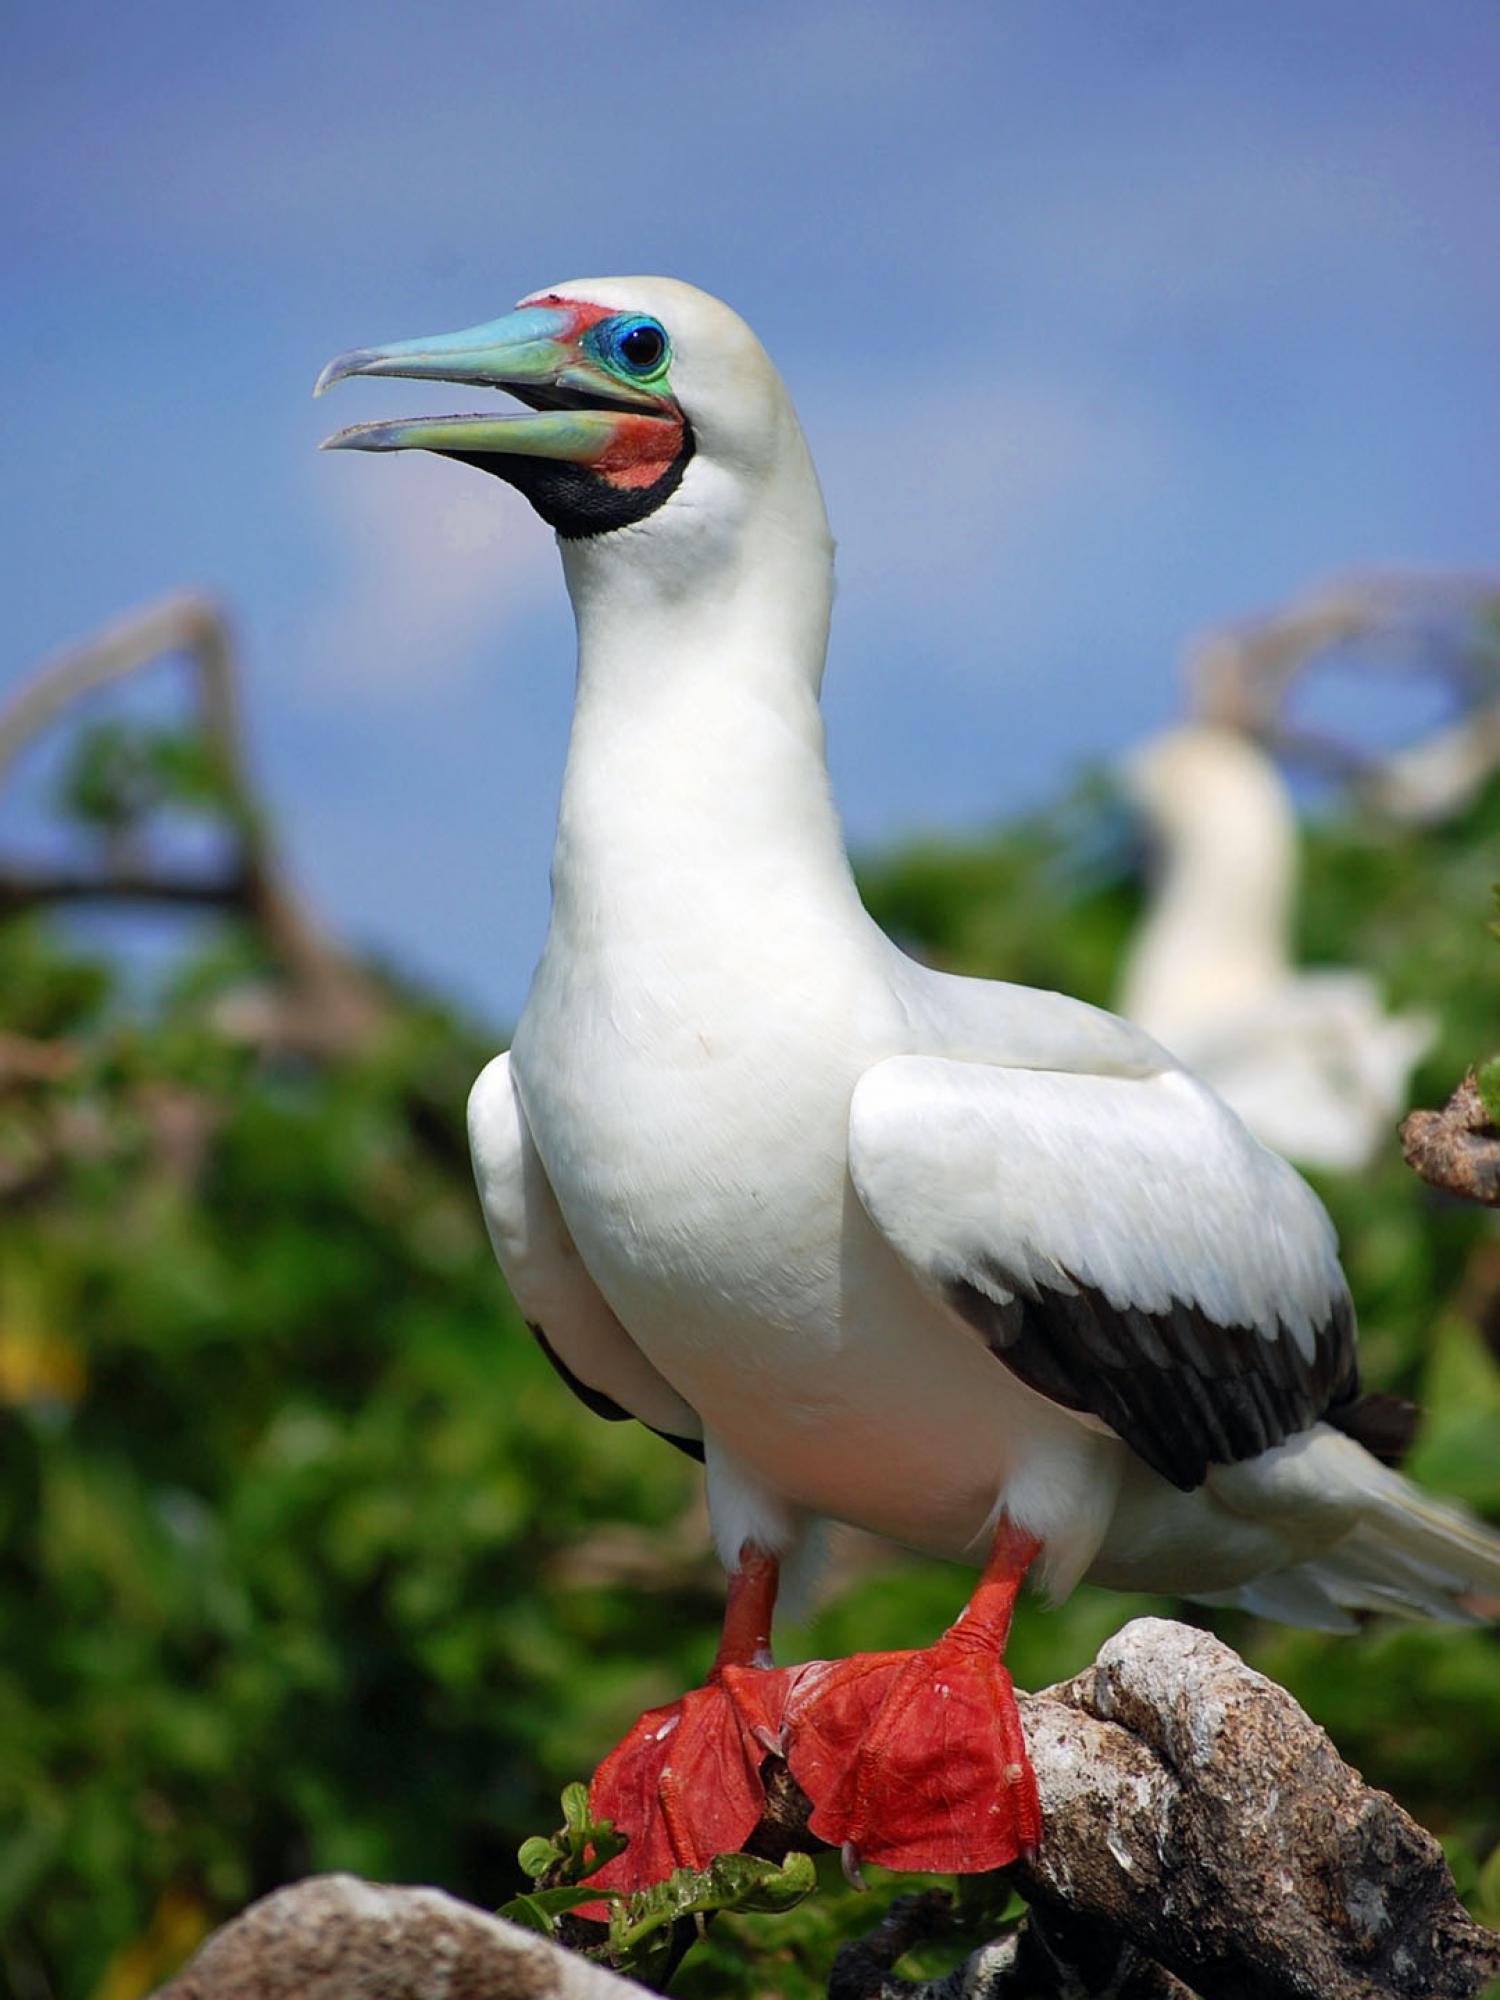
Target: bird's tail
[1404, 1552]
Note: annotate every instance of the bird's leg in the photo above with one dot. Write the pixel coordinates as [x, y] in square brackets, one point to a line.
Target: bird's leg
[684, 1784]
[748, 1604]
[916, 1760]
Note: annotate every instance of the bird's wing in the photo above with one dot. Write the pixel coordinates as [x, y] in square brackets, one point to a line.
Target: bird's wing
[1317, 1068]
[1120, 1242]
[563, 1306]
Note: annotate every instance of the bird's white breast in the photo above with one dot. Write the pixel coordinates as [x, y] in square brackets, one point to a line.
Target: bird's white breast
[693, 1124]
[695, 1129]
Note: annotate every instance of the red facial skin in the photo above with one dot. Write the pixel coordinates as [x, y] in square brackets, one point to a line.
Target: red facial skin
[641, 450]
[642, 446]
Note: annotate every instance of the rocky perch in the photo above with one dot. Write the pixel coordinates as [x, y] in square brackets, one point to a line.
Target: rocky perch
[1202, 1837]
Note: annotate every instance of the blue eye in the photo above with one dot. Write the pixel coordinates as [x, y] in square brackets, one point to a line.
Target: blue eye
[640, 345]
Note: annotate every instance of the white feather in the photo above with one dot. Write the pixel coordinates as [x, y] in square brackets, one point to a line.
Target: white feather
[1142, 1186]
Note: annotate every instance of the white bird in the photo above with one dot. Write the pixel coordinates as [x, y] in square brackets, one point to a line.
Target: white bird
[1309, 1059]
[980, 1268]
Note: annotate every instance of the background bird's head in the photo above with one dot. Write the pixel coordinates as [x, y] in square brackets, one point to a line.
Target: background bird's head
[652, 408]
[1200, 782]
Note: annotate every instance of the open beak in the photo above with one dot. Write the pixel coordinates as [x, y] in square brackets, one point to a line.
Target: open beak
[582, 414]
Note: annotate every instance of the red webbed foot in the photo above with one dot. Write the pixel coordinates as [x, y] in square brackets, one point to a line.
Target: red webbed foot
[684, 1784]
[916, 1760]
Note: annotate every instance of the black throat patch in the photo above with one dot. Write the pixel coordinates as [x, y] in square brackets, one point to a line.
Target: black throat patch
[574, 499]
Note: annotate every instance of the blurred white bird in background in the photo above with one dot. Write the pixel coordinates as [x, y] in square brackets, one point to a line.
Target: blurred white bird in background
[1310, 1059]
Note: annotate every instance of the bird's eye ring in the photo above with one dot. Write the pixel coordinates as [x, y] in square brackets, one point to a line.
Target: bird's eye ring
[640, 345]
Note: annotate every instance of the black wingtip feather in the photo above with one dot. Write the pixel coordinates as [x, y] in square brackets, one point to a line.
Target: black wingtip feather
[1184, 1391]
[1385, 1425]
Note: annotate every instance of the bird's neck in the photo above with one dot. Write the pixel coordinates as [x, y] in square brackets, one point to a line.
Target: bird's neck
[696, 796]
[1220, 928]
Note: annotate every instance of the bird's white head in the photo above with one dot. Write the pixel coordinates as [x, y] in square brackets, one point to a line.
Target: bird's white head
[1199, 783]
[661, 442]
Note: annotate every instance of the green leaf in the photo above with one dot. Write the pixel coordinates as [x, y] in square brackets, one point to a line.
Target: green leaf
[536, 1856]
[539, 1909]
[640, 1928]
[108, 781]
[745, 1882]
[527, 1911]
[580, 1846]
[1487, 1891]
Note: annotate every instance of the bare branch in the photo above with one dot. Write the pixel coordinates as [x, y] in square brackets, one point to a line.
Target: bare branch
[25, 1059]
[861, 1971]
[27, 888]
[1457, 1148]
[1240, 674]
[332, 1004]
[183, 622]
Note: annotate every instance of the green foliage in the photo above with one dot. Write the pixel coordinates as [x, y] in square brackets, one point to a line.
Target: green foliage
[290, 1504]
[749, 1957]
[641, 1928]
[1045, 898]
[45, 993]
[642, 1934]
[307, 1561]
[121, 772]
[579, 1847]
[1488, 1079]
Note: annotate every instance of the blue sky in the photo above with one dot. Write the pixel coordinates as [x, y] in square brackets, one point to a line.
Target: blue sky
[1105, 321]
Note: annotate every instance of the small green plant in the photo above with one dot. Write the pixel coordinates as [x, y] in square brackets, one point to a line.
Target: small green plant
[638, 1938]
[578, 1848]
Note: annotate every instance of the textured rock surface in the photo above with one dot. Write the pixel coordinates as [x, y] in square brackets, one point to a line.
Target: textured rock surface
[334, 1937]
[1192, 1806]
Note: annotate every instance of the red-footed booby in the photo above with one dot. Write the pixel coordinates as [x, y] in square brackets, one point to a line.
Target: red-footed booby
[977, 1267]
[1309, 1059]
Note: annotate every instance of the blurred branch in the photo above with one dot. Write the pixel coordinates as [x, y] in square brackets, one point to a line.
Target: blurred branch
[1201, 1836]
[24, 1059]
[24, 888]
[1240, 675]
[329, 1003]
[1457, 1148]
[183, 623]
[1026, 1964]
